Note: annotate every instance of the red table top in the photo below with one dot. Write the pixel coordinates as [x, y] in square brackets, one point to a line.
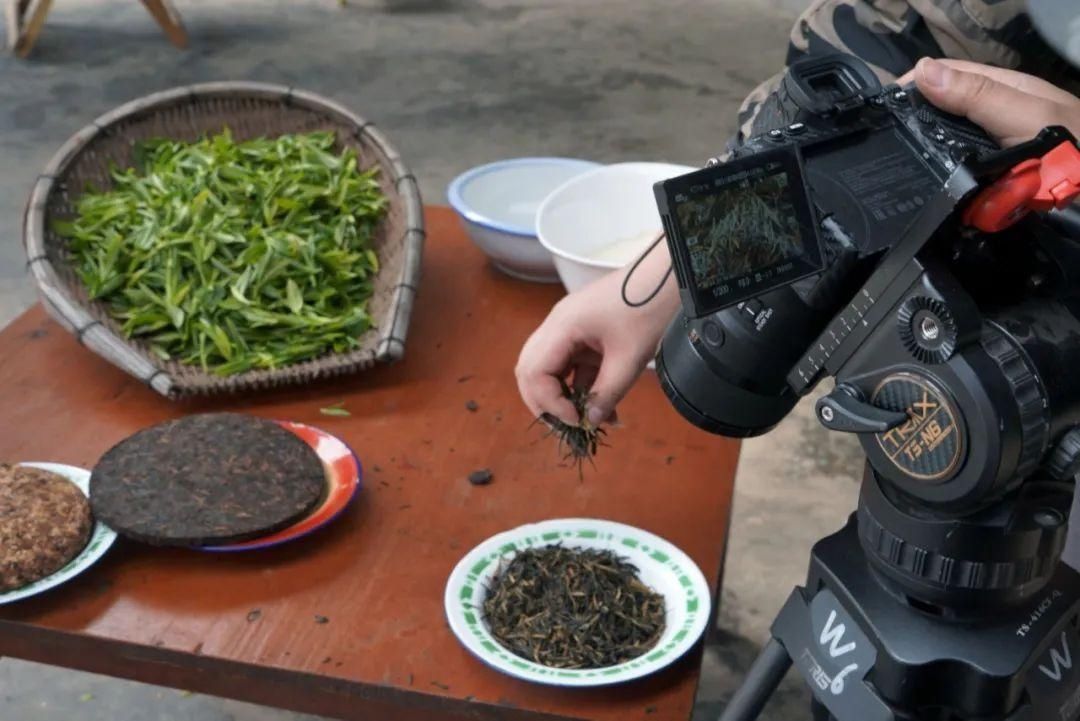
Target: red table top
[243, 625]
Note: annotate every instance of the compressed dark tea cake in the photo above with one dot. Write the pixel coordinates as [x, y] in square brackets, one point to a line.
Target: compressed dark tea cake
[206, 480]
[44, 523]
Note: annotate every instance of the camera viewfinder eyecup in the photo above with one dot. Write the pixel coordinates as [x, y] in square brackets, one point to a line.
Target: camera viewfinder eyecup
[832, 84]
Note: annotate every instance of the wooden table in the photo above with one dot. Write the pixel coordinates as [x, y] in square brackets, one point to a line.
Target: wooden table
[243, 625]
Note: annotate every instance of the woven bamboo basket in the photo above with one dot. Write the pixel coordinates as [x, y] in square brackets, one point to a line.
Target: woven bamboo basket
[249, 110]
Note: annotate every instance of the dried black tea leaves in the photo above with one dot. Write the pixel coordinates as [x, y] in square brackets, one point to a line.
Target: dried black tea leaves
[480, 477]
[573, 608]
[206, 479]
[577, 443]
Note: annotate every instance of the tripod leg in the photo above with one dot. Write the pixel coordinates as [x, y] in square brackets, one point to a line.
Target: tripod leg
[762, 679]
[819, 712]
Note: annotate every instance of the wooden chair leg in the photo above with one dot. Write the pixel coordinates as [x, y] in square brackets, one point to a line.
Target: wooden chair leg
[34, 14]
[169, 20]
[13, 21]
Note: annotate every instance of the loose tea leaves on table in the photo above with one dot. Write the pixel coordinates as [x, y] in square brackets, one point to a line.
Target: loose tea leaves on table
[232, 255]
[577, 443]
[573, 608]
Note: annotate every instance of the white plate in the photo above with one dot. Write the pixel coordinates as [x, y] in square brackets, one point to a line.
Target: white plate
[662, 566]
[101, 539]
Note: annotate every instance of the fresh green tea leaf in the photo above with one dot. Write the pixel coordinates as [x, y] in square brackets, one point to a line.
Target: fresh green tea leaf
[338, 409]
[293, 297]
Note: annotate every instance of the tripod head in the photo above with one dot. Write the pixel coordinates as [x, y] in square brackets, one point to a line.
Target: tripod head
[966, 498]
[966, 404]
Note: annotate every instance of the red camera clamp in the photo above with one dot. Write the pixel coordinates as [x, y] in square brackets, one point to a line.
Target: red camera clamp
[1049, 180]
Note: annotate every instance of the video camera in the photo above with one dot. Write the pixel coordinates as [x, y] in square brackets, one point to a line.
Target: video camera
[876, 239]
[850, 239]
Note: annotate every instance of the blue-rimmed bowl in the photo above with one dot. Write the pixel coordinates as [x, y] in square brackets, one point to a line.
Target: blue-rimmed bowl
[497, 204]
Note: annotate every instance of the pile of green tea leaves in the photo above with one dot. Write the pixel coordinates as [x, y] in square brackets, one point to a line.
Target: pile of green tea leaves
[234, 255]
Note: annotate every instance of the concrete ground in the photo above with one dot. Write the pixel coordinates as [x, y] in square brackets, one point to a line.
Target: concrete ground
[454, 83]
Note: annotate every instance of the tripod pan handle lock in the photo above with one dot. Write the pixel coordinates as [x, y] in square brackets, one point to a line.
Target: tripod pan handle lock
[844, 410]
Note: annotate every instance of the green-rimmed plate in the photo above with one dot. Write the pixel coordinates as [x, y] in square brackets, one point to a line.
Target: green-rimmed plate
[662, 566]
[101, 538]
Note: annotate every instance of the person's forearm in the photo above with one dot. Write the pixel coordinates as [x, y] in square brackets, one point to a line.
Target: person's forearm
[644, 280]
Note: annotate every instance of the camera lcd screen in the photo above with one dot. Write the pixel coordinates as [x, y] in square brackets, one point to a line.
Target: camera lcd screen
[741, 228]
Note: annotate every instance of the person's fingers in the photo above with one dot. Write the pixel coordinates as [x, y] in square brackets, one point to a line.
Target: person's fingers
[1013, 78]
[1009, 114]
[544, 360]
[543, 394]
[617, 373]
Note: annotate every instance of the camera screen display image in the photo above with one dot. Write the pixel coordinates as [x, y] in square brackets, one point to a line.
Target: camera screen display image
[745, 227]
[742, 230]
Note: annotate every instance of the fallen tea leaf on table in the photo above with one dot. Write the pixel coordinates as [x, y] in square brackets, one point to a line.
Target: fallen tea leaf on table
[481, 477]
[338, 409]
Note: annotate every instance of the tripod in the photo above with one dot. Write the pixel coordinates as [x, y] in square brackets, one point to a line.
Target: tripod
[998, 640]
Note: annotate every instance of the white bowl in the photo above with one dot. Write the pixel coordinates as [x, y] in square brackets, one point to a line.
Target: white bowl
[602, 220]
[497, 204]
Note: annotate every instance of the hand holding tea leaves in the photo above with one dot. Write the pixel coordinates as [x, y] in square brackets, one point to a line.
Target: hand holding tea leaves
[579, 441]
[600, 341]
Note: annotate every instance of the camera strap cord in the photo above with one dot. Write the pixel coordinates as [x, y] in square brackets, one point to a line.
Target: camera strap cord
[1036, 184]
[633, 269]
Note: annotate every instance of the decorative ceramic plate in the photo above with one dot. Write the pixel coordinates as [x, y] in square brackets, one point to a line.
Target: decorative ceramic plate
[101, 539]
[662, 566]
[343, 472]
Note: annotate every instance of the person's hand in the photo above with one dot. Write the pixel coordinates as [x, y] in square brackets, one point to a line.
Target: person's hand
[593, 340]
[1011, 106]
